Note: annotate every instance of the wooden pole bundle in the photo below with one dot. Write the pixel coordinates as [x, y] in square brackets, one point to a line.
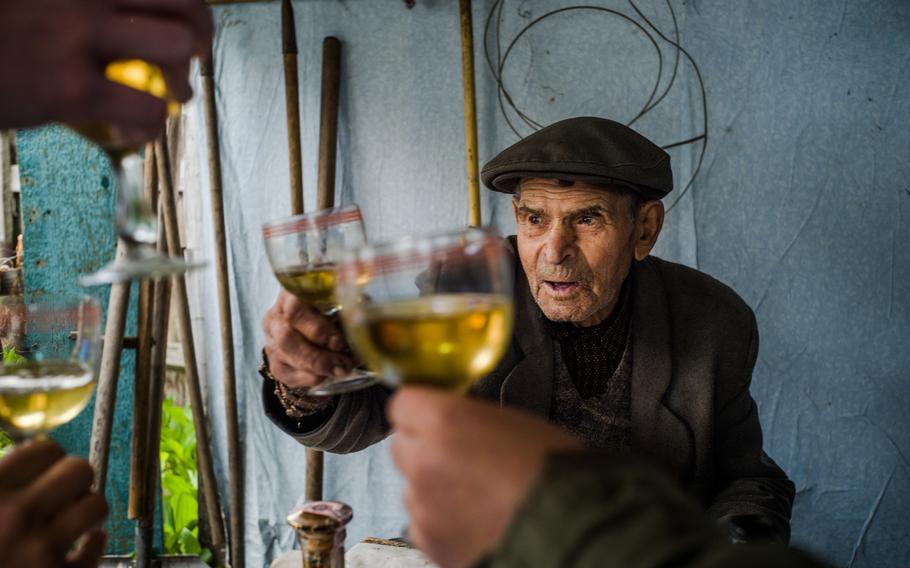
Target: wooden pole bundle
[160, 316]
[106, 396]
[191, 370]
[292, 104]
[235, 457]
[138, 441]
[470, 111]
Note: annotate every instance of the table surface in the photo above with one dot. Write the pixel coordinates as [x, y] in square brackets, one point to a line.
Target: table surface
[366, 555]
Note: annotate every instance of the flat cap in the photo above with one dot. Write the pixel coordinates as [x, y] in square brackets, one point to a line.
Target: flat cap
[589, 149]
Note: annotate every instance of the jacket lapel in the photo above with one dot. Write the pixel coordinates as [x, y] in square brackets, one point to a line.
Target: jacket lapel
[659, 434]
[529, 385]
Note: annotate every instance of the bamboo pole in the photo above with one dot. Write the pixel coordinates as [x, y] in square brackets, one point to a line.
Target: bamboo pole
[160, 316]
[235, 457]
[328, 122]
[138, 458]
[191, 369]
[292, 104]
[106, 395]
[470, 111]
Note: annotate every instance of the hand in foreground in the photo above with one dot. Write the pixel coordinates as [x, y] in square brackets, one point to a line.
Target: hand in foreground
[303, 345]
[53, 54]
[46, 505]
[468, 465]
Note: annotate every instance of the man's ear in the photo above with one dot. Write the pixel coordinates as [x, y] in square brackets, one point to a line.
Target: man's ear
[647, 227]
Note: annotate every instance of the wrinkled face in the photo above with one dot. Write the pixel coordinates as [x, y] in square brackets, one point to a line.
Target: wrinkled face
[576, 246]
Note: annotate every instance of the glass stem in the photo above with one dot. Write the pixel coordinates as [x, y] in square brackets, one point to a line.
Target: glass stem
[135, 222]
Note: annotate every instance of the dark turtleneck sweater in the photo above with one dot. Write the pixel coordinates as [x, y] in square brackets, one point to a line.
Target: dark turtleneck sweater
[594, 400]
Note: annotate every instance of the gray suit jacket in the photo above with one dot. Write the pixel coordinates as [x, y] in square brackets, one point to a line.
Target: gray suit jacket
[694, 344]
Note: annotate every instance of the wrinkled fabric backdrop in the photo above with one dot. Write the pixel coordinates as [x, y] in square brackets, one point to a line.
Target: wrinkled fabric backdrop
[802, 206]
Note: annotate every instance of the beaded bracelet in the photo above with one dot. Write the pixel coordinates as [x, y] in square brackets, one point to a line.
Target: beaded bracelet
[296, 403]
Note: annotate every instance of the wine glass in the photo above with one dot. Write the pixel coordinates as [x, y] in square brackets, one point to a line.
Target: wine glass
[302, 251]
[50, 355]
[135, 222]
[433, 311]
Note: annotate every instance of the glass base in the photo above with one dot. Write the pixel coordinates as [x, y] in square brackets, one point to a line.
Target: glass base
[139, 263]
[358, 379]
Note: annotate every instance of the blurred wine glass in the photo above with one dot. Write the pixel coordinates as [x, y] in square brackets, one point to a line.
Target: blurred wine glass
[135, 222]
[50, 358]
[433, 311]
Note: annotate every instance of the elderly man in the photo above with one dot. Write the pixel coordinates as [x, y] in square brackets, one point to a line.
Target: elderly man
[629, 353]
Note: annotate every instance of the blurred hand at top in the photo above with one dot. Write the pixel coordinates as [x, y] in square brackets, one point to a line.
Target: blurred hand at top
[53, 55]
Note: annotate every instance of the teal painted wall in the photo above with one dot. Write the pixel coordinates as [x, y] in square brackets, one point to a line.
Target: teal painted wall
[67, 205]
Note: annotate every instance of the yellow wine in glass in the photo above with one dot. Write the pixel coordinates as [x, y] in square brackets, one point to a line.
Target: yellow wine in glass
[444, 340]
[314, 285]
[37, 397]
[136, 74]
[433, 311]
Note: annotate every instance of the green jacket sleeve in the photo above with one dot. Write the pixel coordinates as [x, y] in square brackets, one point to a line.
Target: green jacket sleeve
[593, 510]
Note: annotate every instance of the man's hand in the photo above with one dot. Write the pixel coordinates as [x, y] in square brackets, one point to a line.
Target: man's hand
[468, 465]
[53, 55]
[46, 506]
[303, 346]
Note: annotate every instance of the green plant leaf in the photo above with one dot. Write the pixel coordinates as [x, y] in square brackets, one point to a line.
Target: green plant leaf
[186, 510]
[179, 483]
[6, 443]
[188, 542]
[10, 355]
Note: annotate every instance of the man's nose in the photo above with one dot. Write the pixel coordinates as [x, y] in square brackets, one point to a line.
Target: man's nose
[560, 244]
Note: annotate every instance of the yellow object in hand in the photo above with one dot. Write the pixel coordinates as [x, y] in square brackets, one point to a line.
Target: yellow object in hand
[142, 76]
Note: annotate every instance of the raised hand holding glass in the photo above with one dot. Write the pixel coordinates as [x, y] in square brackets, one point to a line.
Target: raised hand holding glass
[303, 251]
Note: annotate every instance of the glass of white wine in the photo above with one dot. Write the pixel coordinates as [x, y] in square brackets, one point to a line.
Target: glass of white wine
[50, 355]
[135, 222]
[302, 251]
[434, 311]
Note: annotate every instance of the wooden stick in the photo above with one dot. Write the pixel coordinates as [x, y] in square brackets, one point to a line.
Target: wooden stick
[314, 474]
[191, 369]
[106, 395]
[138, 458]
[235, 456]
[292, 104]
[148, 499]
[328, 122]
[470, 111]
[325, 198]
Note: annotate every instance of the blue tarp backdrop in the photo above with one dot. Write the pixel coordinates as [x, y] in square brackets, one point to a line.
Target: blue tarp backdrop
[802, 205]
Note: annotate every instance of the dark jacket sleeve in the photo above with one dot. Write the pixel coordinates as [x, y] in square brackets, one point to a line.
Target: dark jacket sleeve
[352, 423]
[588, 510]
[753, 497]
